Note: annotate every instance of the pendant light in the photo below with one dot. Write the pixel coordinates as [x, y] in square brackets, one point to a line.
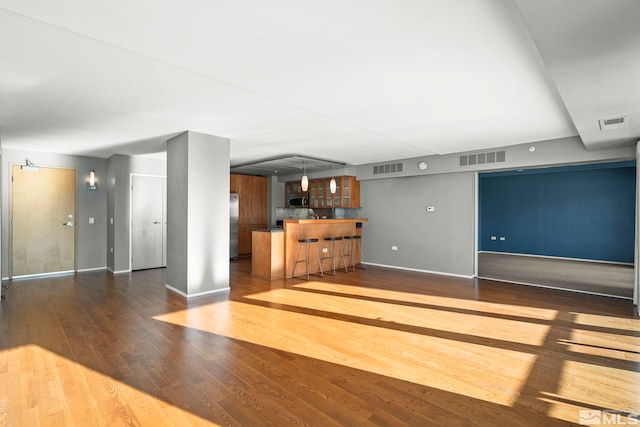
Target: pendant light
[332, 183]
[305, 179]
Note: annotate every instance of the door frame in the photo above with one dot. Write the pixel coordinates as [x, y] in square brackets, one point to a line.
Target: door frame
[131, 175]
[75, 220]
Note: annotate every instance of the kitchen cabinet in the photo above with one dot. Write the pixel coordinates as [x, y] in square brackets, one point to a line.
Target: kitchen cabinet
[253, 212]
[293, 190]
[347, 192]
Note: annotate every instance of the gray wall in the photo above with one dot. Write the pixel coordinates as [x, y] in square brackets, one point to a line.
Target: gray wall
[2, 179]
[276, 199]
[445, 241]
[177, 181]
[90, 238]
[119, 172]
[442, 241]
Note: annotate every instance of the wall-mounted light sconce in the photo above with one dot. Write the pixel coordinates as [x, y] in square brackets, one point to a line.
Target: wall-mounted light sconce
[305, 179]
[91, 184]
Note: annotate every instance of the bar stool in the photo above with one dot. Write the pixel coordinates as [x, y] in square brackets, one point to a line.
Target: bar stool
[333, 241]
[308, 243]
[350, 254]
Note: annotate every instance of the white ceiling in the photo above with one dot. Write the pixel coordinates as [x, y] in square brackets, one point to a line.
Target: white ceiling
[594, 60]
[353, 81]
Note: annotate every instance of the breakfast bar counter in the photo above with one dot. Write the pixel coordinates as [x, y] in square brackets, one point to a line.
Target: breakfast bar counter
[275, 252]
[296, 229]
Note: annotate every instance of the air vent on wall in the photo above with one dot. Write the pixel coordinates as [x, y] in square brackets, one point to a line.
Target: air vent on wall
[483, 158]
[614, 123]
[388, 168]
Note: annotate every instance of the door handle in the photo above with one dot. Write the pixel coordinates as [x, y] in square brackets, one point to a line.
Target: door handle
[68, 224]
[157, 222]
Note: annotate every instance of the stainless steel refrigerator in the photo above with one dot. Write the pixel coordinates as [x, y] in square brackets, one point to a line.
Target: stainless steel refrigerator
[233, 222]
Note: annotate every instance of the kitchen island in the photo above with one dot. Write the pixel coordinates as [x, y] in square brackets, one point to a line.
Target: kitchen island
[267, 260]
[296, 229]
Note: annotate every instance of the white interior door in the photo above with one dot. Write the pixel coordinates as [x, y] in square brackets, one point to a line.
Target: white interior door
[164, 222]
[147, 222]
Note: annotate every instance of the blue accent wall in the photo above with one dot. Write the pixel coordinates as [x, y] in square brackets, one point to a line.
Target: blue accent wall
[574, 212]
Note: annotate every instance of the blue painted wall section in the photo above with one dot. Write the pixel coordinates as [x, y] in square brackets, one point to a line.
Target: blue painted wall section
[585, 212]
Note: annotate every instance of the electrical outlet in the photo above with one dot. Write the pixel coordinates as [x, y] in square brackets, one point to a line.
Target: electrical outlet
[394, 248]
[92, 220]
[325, 250]
[494, 238]
[431, 208]
[502, 238]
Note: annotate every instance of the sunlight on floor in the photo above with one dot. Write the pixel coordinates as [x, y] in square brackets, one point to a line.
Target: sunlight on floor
[394, 316]
[587, 386]
[443, 362]
[39, 387]
[612, 322]
[604, 344]
[480, 306]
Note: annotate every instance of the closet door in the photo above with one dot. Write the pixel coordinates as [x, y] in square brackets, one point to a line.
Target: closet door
[147, 222]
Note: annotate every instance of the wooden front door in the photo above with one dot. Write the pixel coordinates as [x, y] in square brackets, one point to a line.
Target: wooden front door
[43, 218]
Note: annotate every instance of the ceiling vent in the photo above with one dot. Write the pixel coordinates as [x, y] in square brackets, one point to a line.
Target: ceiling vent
[482, 158]
[615, 123]
[388, 168]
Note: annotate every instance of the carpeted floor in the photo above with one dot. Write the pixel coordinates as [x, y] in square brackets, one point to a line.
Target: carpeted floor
[586, 276]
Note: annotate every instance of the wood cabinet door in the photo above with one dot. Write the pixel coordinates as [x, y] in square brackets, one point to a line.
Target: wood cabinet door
[337, 197]
[259, 201]
[355, 192]
[253, 207]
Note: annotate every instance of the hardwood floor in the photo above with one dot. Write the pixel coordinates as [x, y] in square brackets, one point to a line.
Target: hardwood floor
[601, 278]
[371, 347]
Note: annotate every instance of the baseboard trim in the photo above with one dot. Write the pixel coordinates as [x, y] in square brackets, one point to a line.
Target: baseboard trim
[418, 270]
[84, 270]
[36, 276]
[558, 257]
[579, 291]
[119, 271]
[189, 296]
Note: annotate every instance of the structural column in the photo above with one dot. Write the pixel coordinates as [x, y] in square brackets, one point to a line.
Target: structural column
[636, 284]
[197, 214]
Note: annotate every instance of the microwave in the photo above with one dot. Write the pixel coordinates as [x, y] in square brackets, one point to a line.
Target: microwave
[298, 201]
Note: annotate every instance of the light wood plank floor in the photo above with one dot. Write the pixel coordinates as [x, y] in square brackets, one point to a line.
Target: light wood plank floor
[371, 347]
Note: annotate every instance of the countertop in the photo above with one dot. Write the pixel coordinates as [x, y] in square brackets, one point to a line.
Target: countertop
[324, 221]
